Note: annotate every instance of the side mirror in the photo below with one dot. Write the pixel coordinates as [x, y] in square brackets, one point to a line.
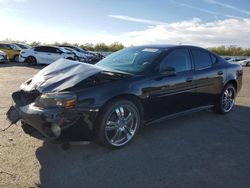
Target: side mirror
[169, 71]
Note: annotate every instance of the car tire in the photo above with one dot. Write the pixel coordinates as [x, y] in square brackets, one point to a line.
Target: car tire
[16, 58]
[226, 100]
[31, 60]
[117, 124]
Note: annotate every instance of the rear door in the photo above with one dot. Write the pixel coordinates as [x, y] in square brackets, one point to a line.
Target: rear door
[208, 76]
[41, 54]
[176, 93]
[53, 54]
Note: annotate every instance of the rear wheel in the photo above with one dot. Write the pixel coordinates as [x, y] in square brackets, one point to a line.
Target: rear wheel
[118, 124]
[31, 60]
[16, 58]
[226, 100]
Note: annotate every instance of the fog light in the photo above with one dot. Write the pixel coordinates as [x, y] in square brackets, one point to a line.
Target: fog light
[56, 129]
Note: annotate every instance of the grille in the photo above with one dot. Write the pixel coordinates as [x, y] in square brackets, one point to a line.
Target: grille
[22, 98]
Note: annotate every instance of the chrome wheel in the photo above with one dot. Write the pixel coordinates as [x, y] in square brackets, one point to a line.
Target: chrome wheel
[121, 125]
[228, 99]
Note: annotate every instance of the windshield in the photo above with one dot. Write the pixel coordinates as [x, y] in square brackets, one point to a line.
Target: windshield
[15, 47]
[131, 60]
[80, 50]
[64, 49]
[23, 46]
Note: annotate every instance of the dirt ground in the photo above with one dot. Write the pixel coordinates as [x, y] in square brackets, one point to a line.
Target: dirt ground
[198, 150]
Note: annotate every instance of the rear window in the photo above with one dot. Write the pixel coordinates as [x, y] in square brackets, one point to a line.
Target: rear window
[201, 58]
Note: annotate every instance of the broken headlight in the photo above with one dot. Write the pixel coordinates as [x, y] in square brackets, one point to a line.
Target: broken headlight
[63, 99]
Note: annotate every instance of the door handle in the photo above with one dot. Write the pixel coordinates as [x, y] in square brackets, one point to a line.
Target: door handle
[48, 54]
[220, 72]
[189, 79]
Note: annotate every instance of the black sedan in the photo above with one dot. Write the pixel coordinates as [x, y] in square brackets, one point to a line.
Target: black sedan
[109, 102]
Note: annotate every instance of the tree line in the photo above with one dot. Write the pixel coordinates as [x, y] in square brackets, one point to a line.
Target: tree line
[220, 50]
[231, 50]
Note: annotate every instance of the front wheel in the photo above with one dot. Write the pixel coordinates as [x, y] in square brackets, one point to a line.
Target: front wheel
[226, 100]
[31, 60]
[118, 124]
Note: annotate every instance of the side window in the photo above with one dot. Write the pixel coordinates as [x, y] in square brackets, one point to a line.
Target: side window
[202, 59]
[214, 59]
[47, 49]
[8, 47]
[14, 47]
[57, 50]
[178, 59]
[5, 46]
[40, 49]
[50, 49]
[53, 50]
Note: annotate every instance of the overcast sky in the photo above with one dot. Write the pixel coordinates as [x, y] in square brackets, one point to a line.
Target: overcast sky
[131, 22]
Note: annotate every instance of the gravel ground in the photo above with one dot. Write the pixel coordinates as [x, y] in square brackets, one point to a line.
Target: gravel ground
[198, 150]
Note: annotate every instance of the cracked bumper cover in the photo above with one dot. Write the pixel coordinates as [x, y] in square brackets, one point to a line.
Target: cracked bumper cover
[57, 123]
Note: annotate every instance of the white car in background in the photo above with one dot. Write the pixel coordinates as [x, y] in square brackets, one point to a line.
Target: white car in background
[235, 60]
[81, 52]
[3, 57]
[78, 55]
[44, 55]
[245, 62]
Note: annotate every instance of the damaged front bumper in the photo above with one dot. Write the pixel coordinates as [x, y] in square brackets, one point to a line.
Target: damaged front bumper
[54, 123]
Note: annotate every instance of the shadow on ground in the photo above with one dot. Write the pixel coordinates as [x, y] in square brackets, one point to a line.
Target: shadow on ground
[198, 150]
[13, 64]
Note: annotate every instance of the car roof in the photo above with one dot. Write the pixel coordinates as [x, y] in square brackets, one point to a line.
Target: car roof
[166, 46]
[68, 46]
[48, 46]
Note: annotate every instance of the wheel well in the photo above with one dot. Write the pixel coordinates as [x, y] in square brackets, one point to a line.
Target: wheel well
[16, 55]
[30, 57]
[136, 100]
[234, 83]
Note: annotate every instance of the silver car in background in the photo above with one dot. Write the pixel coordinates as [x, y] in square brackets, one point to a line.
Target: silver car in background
[3, 57]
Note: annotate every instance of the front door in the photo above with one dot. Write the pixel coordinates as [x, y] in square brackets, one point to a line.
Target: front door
[175, 93]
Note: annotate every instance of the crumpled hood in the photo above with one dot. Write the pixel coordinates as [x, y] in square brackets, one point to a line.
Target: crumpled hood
[60, 75]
